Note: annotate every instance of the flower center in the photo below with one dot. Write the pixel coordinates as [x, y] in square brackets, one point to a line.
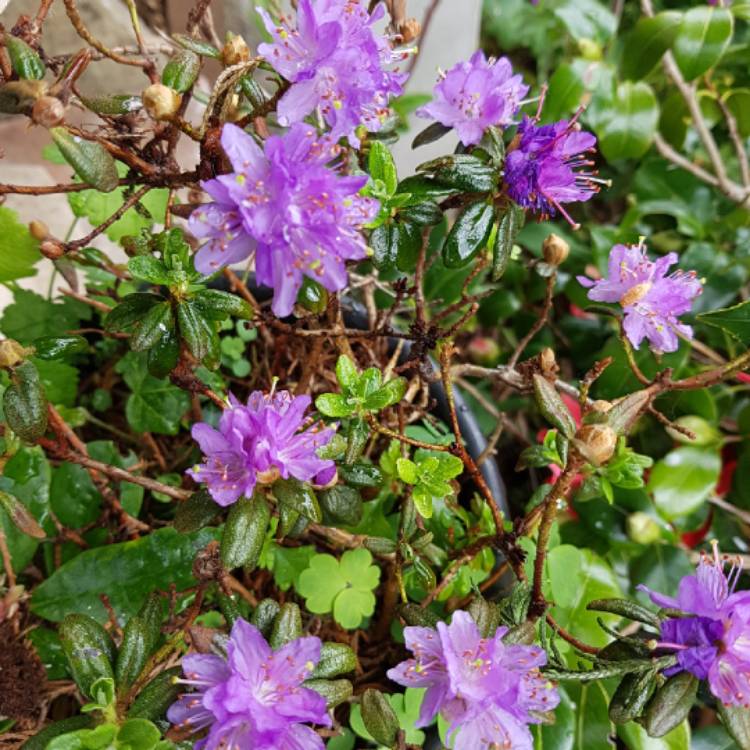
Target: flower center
[635, 294]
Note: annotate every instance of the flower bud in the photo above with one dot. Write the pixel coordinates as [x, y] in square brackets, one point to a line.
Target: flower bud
[39, 230]
[410, 30]
[547, 361]
[160, 101]
[555, 250]
[596, 443]
[52, 249]
[601, 406]
[235, 50]
[11, 353]
[484, 351]
[642, 529]
[48, 111]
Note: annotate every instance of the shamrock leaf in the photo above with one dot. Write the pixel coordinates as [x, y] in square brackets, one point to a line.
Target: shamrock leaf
[344, 587]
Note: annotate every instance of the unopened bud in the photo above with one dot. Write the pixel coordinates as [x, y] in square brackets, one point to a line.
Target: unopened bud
[410, 30]
[642, 528]
[48, 111]
[52, 249]
[601, 406]
[555, 250]
[484, 351]
[39, 230]
[547, 361]
[161, 102]
[235, 50]
[596, 443]
[11, 353]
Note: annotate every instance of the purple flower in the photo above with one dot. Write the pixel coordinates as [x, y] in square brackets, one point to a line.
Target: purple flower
[336, 63]
[253, 698]
[713, 641]
[474, 95]
[301, 217]
[488, 691]
[651, 300]
[543, 171]
[260, 442]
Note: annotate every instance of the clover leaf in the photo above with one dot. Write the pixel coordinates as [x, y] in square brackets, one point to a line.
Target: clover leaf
[344, 587]
[430, 473]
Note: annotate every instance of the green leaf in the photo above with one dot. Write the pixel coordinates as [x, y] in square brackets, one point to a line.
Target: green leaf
[97, 207]
[196, 512]
[26, 476]
[19, 251]
[630, 122]
[508, 227]
[25, 404]
[23, 59]
[31, 316]
[738, 103]
[715, 737]
[382, 167]
[636, 738]
[56, 347]
[379, 717]
[684, 479]
[734, 320]
[647, 42]
[89, 159]
[131, 311]
[430, 134]
[587, 19]
[576, 577]
[218, 305]
[287, 563]
[460, 171]
[74, 498]
[89, 649]
[298, 496]
[346, 373]
[154, 405]
[334, 405]
[468, 235]
[406, 705]
[552, 406]
[703, 37]
[181, 70]
[20, 516]
[113, 104]
[199, 334]
[197, 45]
[139, 638]
[148, 268]
[127, 572]
[422, 188]
[245, 532]
[389, 394]
[343, 587]
[138, 734]
[737, 723]
[341, 505]
[157, 321]
[566, 87]
[670, 705]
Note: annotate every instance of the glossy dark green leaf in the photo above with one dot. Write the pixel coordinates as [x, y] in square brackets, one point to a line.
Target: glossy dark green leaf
[131, 311]
[430, 134]
[113, 104]
[163, 355]
[196, 512]
[631, 696]
[334, 691]
[56, 347]
[197, 45]
[422, 188]
[566, 88]
[461, 171]
[157, 696]
[625, 608]
[341, 506]
[181, 71]
[736, 720]
[426, 213]
[361, 475]
[197, 332]
[670, 705]
[468, 235]
[299, 496]
[510, 224]
[287, 626]
[335, 659]
[20, 516]
[25, 404]
[25, 62]
[139, 638]
[245, 532]
[157, 321]
[647, 42]
[88, 648]
[334, 405]
[552, 406]
[64, 726]
[253, 91]
[379, 717]
[630, 122]
[127, 572]
[703, 37]
[384, 243]
[218, 305]
[89, 159]
[734, 320]
[148, 268]
[264, 616]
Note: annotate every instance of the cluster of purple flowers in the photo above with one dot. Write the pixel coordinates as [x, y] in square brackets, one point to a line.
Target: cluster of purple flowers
[260, 442]
[336, 63]
[487, 690]
[650, 299]
[300, 217]
[253, 697]
[712, 641]
[546, 165]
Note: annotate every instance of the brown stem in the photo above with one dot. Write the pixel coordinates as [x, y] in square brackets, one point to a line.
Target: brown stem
[383, 430]
[539, 323]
